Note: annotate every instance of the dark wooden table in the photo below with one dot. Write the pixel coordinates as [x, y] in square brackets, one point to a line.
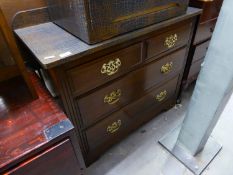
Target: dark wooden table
[36, 137]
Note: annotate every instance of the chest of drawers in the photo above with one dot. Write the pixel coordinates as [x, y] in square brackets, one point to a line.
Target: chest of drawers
[111, 88]
[203, 35]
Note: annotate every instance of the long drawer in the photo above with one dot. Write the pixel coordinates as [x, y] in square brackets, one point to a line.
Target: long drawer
[176, 37]
[200, 51]
[91, 75]
[105, 132]
[205, 31]
[131, 87]
[195, 69]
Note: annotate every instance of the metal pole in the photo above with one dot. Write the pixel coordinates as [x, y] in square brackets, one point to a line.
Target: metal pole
[214, 86]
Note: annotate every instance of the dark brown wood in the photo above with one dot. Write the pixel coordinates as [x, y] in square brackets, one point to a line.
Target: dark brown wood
[121, 121]
[75, 49]
[131, 87]
[15, 53]
[128, 58]
[75, 69]
[96, 21]
[59, 159]
[5, 56]
[208, 18]
[200, 51]
[210, 8]
[194, 70]
[204, 32]
[11, 8]
[35, 135]
[8, 72]
[157, 45]
[8, 67]
[30, 17]
[143, 118]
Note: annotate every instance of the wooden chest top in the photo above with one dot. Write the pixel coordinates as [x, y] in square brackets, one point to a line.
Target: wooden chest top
[53, 46]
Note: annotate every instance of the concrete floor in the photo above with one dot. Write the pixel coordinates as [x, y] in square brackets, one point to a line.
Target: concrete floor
[140, 153]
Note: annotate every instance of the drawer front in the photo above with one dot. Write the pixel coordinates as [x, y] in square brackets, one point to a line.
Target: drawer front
[205, 31]
[91, 75]
[200, 51]
[60, 159]
[211, 8]
[129, 88]
[195, 69]
[176, 37]
[120, 122]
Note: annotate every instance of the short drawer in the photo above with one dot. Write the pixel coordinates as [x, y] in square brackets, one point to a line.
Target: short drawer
[129, 88]
[176, 37]
[119, 123]
[200, 51]
[88, 76]
[195, 69]
[205, 31]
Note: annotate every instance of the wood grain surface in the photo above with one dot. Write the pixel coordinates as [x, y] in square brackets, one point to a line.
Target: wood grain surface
[99, 134]
[132, 87]
[53, 46]
[62, 54]
[202, 37]
[128, 59]
[23, 120]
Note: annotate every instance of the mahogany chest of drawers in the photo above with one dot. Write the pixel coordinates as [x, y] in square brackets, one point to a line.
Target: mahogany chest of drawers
[201, 41]
[111, 88]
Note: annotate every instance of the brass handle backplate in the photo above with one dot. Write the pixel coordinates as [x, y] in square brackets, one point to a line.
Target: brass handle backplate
[114, 127]
[166, 68]
[171, 40]
[111, 67]
[161, 96]
[113, 97]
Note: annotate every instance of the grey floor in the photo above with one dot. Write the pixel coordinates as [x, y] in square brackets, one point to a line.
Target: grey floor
[140, 153]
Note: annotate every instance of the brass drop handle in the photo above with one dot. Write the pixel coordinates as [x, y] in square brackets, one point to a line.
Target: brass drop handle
[113, 97]
[166, 68]
[171, 40]
[161, 96]
[114, 127]
[111, 67]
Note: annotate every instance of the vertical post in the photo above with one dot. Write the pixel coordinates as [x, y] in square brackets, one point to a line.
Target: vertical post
[213, 89]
